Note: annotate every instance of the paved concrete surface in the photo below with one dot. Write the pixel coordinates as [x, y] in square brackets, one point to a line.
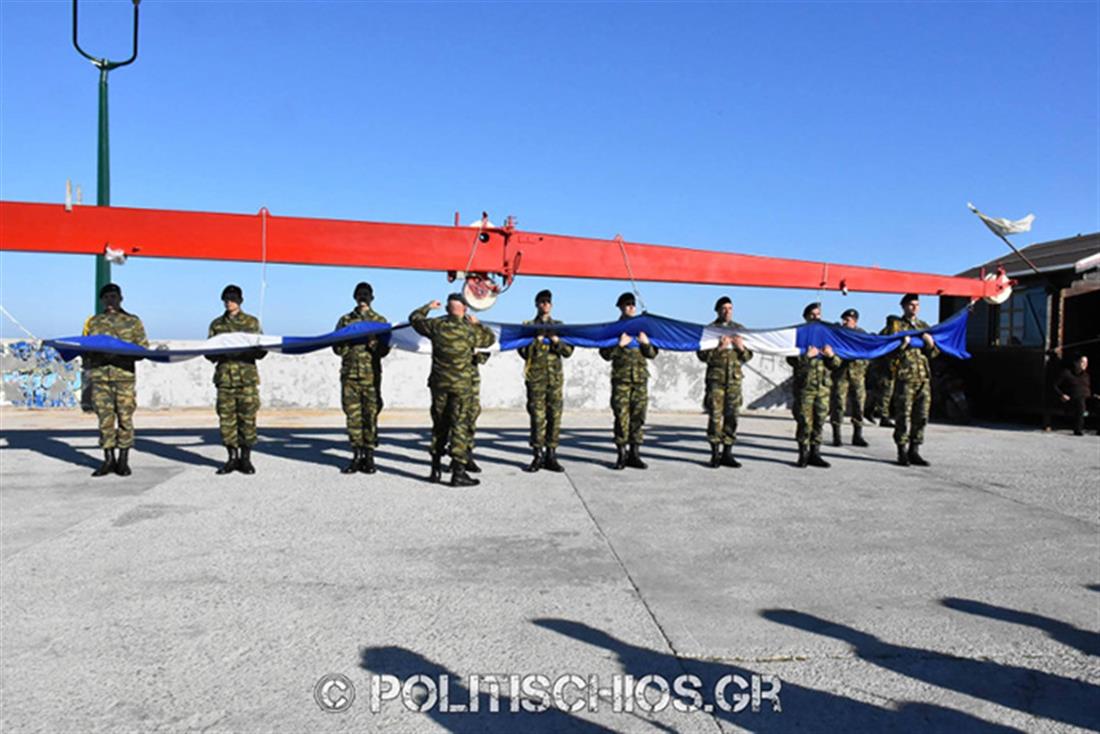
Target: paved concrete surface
[962, 597]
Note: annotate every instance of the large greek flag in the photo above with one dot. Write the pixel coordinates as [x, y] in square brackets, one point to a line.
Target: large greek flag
[664, 333]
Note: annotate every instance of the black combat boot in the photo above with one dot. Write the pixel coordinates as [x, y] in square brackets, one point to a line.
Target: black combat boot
[108, 464]
[857, 436]
[814, 459]
[803, 457]
[471, 465]
[727, 457]
[122, 466]
[437, 469]
[836, 436]
[550, 461]
[634, 458]
[232, 463]
[353, 465]
[366, 463]
[886, 422]
[459, 477]
[914, 455]
[536, 460]
[620, 459]
[903, 455]
[715, 456]
[245, 465]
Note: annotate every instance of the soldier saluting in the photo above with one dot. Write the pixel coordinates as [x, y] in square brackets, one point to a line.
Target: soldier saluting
[113, 382]
[913, 389]
[455, 337]
[542, 375]
[723, 385]
[238, 384]
[629, 388]
[850, 387]
[361, 382]
[812, 388]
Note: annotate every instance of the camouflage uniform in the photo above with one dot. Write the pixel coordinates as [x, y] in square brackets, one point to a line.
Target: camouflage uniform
[238, 382]
[812, 387]
[454, 341]
[722, 399]
[474, 410]
[849, 388]
[112, 378]
[542, 375]
[629, 390]
[913, 390]
[361, 379]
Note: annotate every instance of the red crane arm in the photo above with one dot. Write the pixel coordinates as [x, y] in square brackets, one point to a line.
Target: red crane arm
[504, 250]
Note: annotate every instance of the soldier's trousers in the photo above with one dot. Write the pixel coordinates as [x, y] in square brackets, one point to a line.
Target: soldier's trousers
[359, 398]
[237, 408]
[723, 403]
[811, 410]
[886, 394]
[848, 391]
[114, 404]
[473, 412]
[912, 403]
[544, 406]
[628, 403]
[451, 409]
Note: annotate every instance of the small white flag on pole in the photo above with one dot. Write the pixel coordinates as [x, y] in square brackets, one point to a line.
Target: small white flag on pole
[1003, 227]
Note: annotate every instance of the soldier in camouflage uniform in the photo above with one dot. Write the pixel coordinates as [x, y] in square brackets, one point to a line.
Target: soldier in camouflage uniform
[850, 388]
[238, 383]
[885, 389]
[913, 391]
[722, 400]
[629, 388]
[112, 381]
[361, 382]
[474, 411]
[542, 375]
[812, 388]
[455, 337]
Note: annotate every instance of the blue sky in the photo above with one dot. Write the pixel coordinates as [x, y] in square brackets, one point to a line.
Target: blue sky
[853, 132]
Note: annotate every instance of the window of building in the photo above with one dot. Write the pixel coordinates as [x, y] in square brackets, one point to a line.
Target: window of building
[1022, 319]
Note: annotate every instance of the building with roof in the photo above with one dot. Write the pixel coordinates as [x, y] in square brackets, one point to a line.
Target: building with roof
[1019, 345]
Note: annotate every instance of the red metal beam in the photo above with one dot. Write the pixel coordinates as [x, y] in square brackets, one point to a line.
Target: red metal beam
[298, 240]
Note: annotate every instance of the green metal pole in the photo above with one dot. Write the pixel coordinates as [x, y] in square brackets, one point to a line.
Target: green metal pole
[103, 182]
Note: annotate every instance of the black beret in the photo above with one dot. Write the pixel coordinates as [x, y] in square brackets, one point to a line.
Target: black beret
[109, 288]
[368, 292]
[850, 313]
[626, 299]
[909, 297]
[722, 302]
[456, 297]
[544, 295]
[233, 293]
[810, 307]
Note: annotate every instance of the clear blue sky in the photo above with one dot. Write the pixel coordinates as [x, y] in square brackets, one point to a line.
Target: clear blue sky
[849, 132]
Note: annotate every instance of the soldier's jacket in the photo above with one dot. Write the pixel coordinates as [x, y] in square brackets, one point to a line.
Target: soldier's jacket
[853, 369]
[120, 325]
[813, 374]
[454, 341]
[724, 365]
[542, 358]
[480, 358]
[361, 361]
[237, 369]
[628, 366]
[910, 362]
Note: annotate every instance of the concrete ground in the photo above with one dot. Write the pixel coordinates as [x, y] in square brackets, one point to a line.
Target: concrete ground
[961, 597]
